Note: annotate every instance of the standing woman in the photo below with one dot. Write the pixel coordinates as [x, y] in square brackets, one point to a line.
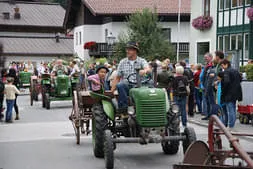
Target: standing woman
[13, 74]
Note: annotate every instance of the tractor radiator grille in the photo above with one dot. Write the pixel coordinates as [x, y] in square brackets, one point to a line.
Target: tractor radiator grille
[151, 113]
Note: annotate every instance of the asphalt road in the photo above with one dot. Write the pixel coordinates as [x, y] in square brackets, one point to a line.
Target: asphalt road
[44, 139]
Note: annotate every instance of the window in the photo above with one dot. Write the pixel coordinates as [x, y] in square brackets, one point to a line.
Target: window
[247, 2]
[226, 43]
[220, 43]
[246, 46]
[226, 4]
[221, 5]
[206, 7]
[233, 42]
[236, 3]
[76, 38]
[167, 33]
[202, 49]
[80, 38]
[239, 42]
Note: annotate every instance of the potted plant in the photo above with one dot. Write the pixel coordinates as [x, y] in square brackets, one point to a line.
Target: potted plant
[90, 45]
[202, 22]
[250, 13]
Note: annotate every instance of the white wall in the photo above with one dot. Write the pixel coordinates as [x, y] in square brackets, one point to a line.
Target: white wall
[202, 36]
[97, 33]
[88, 33]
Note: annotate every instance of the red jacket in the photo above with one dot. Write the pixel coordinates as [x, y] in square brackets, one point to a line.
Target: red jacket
[196, 78]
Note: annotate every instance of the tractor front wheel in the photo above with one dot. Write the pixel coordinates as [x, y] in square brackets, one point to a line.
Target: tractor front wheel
[108, 150]
[190, 137]
[99, 124]
[171, 147]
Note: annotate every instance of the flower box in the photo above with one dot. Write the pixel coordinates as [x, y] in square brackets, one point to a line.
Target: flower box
[202, 22]
[250, 13]
[90, 45]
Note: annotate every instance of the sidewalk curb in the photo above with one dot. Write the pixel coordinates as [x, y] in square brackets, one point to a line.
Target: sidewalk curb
[247, 138]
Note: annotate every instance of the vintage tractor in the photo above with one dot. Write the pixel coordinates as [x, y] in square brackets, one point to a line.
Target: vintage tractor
[56, 88]
[25, 79]
[150, 119]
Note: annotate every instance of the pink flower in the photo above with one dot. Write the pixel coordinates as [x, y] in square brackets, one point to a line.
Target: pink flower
[202, 22]
[250, 13]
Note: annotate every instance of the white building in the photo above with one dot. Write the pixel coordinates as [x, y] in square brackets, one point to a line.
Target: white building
[202, 41]
[94, 20]
[232, 31]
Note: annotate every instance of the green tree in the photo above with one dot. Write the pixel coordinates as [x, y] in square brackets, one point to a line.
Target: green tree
[144, 28]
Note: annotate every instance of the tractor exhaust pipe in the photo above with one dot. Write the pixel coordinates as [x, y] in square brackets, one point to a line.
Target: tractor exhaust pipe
[149, 140]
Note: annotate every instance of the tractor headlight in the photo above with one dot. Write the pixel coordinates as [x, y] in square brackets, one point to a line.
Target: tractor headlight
[131, 110]
[175, 108]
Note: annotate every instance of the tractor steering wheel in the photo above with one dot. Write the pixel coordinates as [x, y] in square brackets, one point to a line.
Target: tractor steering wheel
[133, 80]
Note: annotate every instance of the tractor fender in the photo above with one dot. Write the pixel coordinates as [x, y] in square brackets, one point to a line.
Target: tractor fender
[108, 109]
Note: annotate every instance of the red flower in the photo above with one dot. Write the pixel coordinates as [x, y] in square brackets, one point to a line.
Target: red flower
[89, 45]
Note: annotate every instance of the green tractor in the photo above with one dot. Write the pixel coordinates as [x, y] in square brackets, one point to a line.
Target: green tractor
[59, 88]
[151, 118]
[25, 79]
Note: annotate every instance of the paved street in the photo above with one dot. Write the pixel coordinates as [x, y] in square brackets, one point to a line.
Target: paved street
[44, 139]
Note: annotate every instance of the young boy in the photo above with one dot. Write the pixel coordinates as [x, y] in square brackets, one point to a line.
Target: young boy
[98, 80]
[10, 91]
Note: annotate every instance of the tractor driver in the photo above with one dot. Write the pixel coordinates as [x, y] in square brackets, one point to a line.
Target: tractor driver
[127, 67]
[59, 66]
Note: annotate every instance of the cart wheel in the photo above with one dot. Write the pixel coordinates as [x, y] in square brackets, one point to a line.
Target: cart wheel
[47, 101]
[241, 118]
[77, 117]
[190, 137]
[197, 154]
[245, 119]
[108, 150]
[77, 134]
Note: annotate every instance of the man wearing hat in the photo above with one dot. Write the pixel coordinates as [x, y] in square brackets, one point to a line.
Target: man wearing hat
[125, 68]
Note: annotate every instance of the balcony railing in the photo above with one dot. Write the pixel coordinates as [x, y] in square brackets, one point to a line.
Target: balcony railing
[103, 49]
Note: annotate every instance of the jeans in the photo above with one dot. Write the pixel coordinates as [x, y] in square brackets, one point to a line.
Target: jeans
[10, 104]
[181, 102]
[209, 102]
[198, 98]
[1, 105]
[231, 113]
[123, 89]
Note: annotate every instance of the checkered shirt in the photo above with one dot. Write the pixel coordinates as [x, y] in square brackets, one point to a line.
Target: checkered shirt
[125, 68]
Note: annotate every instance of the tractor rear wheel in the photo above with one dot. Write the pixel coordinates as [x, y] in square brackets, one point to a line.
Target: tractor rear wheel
[99, 125]
[171, 147]
[190, 137]
[108, 150]
[47, 101]
[241, 118]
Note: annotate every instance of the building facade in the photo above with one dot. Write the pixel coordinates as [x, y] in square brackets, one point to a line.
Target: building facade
[231, 31]
[234, 29]
[94, 21]
[202, 41]
[33, 31]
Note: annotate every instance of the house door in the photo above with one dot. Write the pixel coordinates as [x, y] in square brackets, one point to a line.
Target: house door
[202, 49]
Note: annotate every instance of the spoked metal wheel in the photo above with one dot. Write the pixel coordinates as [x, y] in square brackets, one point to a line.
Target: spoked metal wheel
[76, 118]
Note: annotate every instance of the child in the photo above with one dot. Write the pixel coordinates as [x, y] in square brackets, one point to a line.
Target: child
[10, 92]
[98, 80]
